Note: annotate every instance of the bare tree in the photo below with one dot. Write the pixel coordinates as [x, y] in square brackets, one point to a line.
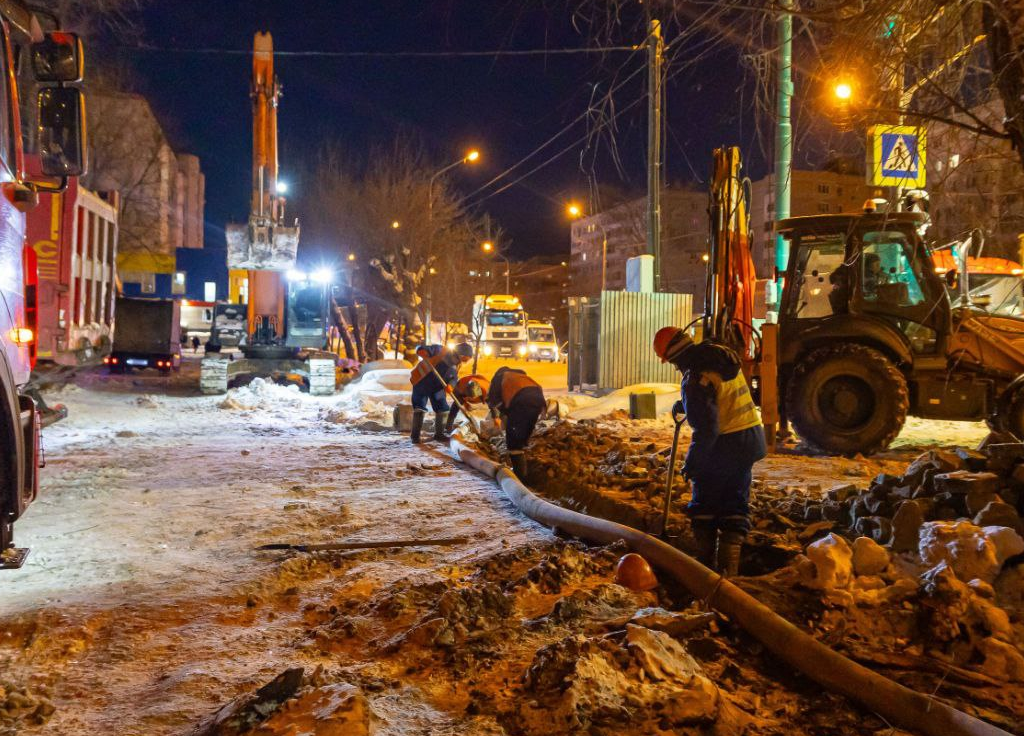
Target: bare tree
[398, 222]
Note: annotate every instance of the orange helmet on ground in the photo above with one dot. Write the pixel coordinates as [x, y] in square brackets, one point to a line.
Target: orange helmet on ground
[473, 388]
[669, 342]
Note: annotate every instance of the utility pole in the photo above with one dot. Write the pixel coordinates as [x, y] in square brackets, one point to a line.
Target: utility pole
[655, 47]
[783, 144]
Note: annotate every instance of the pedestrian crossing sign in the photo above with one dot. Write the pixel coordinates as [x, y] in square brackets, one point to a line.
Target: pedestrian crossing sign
[896, 156]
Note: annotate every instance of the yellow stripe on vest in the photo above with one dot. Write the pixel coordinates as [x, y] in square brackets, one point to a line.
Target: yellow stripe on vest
[736, 409]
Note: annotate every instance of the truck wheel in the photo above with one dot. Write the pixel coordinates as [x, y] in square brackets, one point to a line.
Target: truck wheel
[1009, 416]
[847, 399]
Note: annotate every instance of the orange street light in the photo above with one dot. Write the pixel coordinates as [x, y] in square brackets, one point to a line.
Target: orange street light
[574, 210]
[487, 246]
[473, 155]
[843, 91]
[395, 224]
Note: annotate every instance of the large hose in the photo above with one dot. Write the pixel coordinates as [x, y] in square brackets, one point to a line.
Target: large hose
[895, 703]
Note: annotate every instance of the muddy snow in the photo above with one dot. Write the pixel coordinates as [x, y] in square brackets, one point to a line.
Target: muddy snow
[145, 607]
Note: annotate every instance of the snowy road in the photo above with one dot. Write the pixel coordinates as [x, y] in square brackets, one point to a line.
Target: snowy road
[143, 605]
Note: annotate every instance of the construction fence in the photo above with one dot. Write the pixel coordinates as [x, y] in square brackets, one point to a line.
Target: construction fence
[610, 338]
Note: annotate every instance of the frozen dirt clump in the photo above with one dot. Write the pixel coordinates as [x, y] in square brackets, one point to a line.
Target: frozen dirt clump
[972, 552]
[640, 682]
[22, 706]
[462, 615]
[571, 561]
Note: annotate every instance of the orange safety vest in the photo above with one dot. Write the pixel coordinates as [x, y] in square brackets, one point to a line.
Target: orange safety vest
[423, 368]
[512, 384]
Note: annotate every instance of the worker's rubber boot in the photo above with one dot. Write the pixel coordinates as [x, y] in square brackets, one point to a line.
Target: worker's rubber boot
[417, 425]
[440, 420]
[730, 544]
[706, 536]
[517, 458]
[449, 426]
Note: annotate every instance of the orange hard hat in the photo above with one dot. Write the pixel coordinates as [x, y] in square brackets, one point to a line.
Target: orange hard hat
[669, 342]
[635, 573]
[473, 387]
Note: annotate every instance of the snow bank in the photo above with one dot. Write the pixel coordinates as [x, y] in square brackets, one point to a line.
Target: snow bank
[667, 395]
[371, 398]
[261, 394]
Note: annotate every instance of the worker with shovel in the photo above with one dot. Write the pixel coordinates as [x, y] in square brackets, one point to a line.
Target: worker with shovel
[469, 390]
[432, 379]
[519, 400]
[728, 438]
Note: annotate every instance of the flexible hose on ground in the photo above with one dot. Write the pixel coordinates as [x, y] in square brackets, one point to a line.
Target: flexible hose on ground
[897, 704]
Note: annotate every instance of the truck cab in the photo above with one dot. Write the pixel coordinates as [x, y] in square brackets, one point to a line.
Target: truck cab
[500, 321]
[54, 59]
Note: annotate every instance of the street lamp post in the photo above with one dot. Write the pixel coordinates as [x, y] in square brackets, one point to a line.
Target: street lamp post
[488, 247]
[470, 157]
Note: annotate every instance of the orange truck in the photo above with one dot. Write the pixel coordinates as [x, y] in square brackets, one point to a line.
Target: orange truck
[57, 113]
[993, 284]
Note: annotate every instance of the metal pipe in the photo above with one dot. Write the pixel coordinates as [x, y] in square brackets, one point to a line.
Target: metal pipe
[783, 145]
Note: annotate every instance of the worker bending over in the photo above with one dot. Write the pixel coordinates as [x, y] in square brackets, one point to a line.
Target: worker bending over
[469, 390]
[432, 378]
[728, 439]
[519, 400]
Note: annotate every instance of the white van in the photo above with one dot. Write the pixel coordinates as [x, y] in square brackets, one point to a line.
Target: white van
[540, 341]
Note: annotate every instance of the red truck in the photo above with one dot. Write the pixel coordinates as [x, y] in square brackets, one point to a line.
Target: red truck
[57, 113]
[74, 236]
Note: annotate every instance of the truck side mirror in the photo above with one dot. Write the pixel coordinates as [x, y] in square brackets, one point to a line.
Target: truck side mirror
[61, 132]
[58, 58]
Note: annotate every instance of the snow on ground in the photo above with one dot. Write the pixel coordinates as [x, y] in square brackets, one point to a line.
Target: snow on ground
[144, 605]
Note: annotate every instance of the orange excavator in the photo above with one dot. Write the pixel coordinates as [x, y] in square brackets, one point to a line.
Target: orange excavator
[287, 308]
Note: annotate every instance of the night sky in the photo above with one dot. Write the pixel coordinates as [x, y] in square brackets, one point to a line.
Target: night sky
[505, 106]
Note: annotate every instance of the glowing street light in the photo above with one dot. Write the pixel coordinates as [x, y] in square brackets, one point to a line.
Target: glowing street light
[281, 187]
[351, 256]
[843, 91]
[574, 210]
[473, 155]
[487, 246]
[395, 224]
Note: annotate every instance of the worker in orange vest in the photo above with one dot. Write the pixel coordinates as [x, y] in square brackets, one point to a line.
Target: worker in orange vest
[728, 438]
[519, 400]
[432, 379]
[469, 390]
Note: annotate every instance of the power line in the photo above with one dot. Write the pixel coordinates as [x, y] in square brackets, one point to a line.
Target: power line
[388, 54]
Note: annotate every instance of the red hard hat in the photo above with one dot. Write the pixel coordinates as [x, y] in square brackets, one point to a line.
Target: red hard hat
[669, 342]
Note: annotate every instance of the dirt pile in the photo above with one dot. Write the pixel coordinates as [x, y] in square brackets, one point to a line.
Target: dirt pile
[985, 487]
[642, 680]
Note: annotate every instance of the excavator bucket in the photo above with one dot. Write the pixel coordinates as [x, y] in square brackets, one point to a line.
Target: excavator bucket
[729, 300]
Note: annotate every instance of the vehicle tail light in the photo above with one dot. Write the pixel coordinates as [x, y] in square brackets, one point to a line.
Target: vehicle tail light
[31, 327]
[114, 361]
[106, 360]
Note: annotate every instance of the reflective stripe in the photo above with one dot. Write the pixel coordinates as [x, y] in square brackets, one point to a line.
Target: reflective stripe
[736, 409]
[423, 368]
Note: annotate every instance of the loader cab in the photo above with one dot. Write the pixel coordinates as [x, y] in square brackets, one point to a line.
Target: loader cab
[864, 277]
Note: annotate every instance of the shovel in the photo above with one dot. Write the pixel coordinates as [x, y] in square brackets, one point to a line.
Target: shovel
[472, 420]
[671, 473]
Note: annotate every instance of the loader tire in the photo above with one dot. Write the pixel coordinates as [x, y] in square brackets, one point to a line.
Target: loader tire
[1009, 416]
[847, 399]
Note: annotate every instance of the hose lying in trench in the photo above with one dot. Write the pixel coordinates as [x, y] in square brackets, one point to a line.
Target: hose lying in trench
[897, 704]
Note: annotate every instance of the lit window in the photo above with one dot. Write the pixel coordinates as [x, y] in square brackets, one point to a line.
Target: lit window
[178, 285]
[584, 256]
[210, 291]
[954, 160]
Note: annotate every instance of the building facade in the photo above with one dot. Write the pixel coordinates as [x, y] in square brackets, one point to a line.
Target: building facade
[605, 241]
[975, 181]
[811, 193]
[162, 192]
